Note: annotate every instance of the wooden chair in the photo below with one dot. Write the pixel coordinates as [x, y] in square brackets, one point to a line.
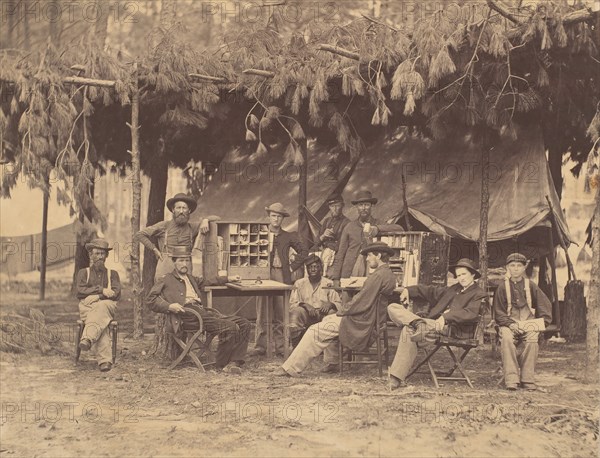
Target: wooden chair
[190, 341]
[381, 346]
[450, 344]
[113, 326]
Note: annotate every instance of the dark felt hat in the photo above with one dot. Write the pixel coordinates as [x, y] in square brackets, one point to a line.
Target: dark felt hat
[101, 244]
[277, 207]
[364, 196]
[516, 257]
[378, 247]
[181, 197]
[466, 263]
[180, 251]
[335, 198]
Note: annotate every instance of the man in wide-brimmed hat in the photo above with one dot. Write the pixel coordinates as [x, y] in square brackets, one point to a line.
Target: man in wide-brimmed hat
[178, 290]
[516, 301]
[98, 291]
[310, 301]
[354, 325]
[454, 310]
[177, 231]
[328, 240]
[355, 236]
[280, 242]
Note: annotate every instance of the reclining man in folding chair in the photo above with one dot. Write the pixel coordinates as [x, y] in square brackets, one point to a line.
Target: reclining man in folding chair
[179, 290]
[355, 324]
[515, 302]
[98, 291]
[309, 301]
[455, 313]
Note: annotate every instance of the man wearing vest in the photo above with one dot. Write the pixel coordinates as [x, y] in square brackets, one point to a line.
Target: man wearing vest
[517, 300]
[179, 290]
[280, 242]
[176, 232]
[98, 291]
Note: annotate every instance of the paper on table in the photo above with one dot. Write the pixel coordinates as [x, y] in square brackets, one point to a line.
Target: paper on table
[532, 325]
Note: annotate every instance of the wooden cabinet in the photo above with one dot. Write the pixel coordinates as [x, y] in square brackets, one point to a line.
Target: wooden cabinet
[419, 257]
[240, 248]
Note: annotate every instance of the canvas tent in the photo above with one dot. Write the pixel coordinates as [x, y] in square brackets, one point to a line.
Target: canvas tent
[443, 192]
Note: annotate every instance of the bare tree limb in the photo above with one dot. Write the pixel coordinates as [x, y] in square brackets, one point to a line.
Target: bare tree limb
[257, 72]
[503, 11]
[377, 21]
[207, 78]
[88, 81]
[340, 51]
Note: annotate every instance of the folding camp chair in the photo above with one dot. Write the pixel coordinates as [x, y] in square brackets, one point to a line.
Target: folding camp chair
[450, 343]
[381, 346]
[193, 341]
[113, 327]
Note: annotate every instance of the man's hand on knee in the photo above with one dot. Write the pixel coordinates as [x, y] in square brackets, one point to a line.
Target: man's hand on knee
[176, 308]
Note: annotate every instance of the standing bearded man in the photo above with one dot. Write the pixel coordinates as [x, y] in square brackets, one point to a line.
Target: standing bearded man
[176, 232]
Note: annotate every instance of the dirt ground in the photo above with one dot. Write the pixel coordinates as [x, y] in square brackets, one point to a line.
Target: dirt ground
[49, 407]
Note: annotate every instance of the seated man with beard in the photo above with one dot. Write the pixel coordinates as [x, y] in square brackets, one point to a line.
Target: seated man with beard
[98, 290]
[309, 301]
[179, 290]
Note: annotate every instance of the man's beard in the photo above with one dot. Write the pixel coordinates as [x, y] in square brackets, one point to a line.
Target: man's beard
[181, 219]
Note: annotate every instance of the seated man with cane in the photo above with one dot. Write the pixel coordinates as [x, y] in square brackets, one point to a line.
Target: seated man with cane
[178, 290]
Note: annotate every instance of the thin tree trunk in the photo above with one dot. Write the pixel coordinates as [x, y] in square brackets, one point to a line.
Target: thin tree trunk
[484, 214]
[101, 27]
[555, 163]
[303, 228]
[593, 303]
[44, 248]
[138, 311]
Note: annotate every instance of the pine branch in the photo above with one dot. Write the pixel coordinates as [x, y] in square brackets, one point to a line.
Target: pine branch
[340, 51]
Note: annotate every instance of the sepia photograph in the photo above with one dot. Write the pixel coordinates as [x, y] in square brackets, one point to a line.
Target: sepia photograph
[300, 228]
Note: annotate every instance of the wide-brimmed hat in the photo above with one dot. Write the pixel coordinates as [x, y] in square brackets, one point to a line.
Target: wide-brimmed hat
[181, 197]
[335, 198]
[378, 247]
[277, 208]
[467, 264]
[364, 196]
[312, 258]
[179, 251]
[101, 244]
[516, 257]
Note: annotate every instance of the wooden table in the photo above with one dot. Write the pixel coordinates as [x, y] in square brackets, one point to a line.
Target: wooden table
[267, 288]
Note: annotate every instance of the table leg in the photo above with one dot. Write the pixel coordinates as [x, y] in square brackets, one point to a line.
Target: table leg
[268, 304]
[209, 299]
[286, 324]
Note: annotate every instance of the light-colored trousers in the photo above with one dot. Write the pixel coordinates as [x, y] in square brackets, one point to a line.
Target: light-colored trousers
[96, 316]
[407, 348]
[320, 337]
[519, 350]
[261, 318]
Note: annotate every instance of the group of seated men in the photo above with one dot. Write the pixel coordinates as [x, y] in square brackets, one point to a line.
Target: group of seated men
[317, 317]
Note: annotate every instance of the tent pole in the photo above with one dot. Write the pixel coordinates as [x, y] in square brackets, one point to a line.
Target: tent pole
[136, 188]
[552, 260]
[303, 229]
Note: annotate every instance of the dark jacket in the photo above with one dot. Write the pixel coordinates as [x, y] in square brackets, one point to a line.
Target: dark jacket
[170, 288]
[463, 306]
[358, 322]
[282, 242]
[337, 225]
[540, 302]
[97, 282]
[352, 240]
